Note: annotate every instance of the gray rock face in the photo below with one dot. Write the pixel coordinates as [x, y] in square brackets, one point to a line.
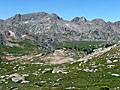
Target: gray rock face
[3, 40]
[1, 20]
[79, 20]
[47, 28]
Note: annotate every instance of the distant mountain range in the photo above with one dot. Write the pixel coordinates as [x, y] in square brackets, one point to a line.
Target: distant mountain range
[47, 28]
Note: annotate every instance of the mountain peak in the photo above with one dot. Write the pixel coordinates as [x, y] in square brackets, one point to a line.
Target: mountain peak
[83, 19]
[26, 17]
[98, 20]
[32, 16]
[56, 16]
[79, 20]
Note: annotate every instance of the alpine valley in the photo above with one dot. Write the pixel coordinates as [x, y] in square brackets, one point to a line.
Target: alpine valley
[42, 51]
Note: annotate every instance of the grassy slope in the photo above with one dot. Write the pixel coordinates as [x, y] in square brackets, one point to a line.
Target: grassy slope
[25, 47]
[75, 77]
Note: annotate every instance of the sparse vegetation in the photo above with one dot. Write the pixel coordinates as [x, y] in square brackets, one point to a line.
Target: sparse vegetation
[95, 74]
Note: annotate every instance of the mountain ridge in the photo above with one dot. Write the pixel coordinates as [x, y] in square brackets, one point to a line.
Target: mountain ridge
[43, 27]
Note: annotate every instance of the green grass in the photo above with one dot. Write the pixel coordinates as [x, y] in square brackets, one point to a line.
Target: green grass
[85, 46]
[25, 47]
[76, 76]
[79, 45]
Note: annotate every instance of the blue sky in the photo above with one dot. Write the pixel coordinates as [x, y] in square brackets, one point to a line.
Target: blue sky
[68, 9]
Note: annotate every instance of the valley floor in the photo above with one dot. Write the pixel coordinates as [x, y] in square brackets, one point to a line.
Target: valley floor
[97, 71]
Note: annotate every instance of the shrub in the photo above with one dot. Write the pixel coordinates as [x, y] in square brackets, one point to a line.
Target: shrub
[104, 88]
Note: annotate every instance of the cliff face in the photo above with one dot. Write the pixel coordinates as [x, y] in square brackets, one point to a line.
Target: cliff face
[43, 27]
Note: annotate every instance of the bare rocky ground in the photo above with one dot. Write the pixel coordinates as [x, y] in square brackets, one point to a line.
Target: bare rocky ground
[98, 52]
[58, 56]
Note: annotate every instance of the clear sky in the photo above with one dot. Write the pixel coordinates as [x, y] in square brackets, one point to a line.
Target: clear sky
[68, 9]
